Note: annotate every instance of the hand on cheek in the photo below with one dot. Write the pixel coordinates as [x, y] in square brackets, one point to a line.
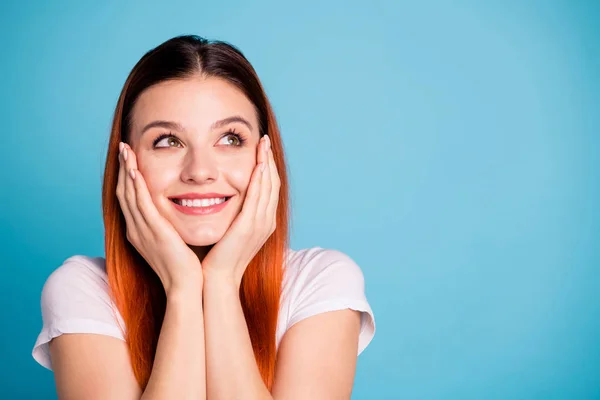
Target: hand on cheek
[151, 234]
[254, 224]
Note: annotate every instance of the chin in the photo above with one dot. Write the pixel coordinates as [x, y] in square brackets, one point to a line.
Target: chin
[200, 242]
[201, 237]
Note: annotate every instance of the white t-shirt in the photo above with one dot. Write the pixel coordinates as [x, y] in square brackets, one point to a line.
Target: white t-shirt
[75, 297]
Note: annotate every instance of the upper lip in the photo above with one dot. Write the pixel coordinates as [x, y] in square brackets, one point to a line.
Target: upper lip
[200, 196]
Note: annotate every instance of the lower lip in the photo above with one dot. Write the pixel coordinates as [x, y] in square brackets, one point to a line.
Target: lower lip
[215, 208]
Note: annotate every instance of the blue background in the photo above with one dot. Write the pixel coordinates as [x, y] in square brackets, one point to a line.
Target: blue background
[451, 148]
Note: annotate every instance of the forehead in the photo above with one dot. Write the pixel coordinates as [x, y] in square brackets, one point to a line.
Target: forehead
[195, 103]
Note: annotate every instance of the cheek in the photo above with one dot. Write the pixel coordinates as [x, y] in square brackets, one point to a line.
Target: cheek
[158, 178]
[240, 173]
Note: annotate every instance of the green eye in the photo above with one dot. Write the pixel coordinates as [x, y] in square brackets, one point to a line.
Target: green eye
[169, 137]
[233, 140]
[172, 140]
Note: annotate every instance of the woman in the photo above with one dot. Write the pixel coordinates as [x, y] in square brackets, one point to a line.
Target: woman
[199, 295]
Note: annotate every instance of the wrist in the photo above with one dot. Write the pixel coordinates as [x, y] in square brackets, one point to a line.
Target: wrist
[216, 277]
[185, 286]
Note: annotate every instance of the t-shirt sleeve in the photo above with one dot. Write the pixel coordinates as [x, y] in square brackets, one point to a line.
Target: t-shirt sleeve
[330, 280]
[75, 299]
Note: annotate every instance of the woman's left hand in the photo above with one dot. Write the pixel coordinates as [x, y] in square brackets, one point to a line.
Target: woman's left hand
[230, 256]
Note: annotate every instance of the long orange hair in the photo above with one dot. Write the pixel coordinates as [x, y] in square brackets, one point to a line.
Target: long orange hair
[135, 288]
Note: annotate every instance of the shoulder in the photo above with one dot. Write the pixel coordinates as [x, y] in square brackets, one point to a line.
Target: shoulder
[317, 258]
[317, 264]
[318, 280]
[78, 277]
[76, 298]
[79, 267]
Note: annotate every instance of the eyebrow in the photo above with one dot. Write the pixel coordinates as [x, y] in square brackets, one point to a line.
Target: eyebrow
[178, 127]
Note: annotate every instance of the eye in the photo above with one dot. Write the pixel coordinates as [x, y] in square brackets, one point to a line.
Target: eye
[232, 138]
[168, 138]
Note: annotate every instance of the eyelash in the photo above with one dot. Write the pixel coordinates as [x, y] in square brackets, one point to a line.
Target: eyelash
[230, 132]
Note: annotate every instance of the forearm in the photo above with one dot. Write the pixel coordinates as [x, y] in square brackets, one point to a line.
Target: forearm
[232, 372]
[179, 370]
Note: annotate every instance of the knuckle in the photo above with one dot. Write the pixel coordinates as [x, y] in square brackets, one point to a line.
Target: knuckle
[132, 236]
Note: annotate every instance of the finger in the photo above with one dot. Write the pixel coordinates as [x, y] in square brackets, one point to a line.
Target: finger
[260, 150]
[145, 204]
[251, 198]
[131, 158]
[130, 192]
[253, 192]
[265, 190]
[275, 187]
[121, 180]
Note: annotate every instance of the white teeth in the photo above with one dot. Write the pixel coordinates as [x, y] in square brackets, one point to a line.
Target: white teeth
[201, 202]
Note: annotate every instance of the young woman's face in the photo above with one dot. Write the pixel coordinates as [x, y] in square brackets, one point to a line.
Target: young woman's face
[210, 151]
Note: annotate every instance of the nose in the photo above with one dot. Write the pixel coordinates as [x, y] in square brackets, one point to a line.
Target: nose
[199, 166]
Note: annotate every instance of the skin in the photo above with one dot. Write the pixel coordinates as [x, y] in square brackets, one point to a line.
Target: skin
[200, 159]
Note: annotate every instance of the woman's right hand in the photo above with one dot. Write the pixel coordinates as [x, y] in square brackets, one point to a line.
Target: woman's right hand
[150, 233]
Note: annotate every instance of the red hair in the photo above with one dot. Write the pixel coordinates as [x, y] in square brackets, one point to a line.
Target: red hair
[135, 288]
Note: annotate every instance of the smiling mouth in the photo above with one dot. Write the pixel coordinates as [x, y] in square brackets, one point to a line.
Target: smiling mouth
[200, 203]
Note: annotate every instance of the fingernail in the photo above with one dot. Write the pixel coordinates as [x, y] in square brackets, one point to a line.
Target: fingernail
[121, 146]
[125, 154]
[132, 173]
[268, 139]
